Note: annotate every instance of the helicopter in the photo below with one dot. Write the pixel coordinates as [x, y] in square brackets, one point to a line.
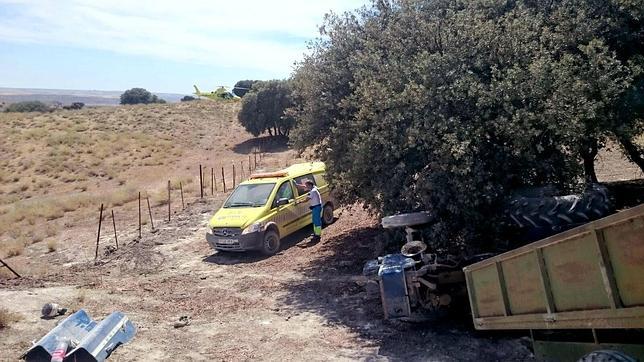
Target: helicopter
[220, 93]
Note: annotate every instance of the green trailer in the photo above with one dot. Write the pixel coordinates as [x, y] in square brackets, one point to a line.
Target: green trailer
[577, 292]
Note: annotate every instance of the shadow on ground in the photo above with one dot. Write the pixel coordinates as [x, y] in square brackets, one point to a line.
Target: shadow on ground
[333, 289]
[628, 193]
[298, 238]
[268, 144]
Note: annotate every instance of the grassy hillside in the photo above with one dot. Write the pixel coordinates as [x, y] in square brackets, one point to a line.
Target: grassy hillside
[55, 168]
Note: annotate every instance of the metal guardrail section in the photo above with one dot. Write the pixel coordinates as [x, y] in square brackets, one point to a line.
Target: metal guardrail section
[91, 341]
[587, 277]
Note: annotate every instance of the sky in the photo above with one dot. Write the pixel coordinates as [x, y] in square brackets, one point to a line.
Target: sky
[163, 46]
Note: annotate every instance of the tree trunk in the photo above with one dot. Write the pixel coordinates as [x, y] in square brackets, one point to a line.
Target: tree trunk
[588, 152]
[633, 151]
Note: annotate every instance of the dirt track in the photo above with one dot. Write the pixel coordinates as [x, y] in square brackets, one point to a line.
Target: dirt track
[306, 303]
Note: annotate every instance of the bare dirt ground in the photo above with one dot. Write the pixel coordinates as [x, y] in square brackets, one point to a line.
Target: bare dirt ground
[305, 303]
[612, 165]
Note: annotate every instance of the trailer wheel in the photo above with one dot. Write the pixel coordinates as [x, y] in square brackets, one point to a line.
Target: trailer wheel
[606, 355]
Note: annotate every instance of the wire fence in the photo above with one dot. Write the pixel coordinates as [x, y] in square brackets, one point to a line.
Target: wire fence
[213, 182]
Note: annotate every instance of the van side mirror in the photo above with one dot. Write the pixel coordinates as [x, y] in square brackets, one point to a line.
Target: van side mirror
[283, 201]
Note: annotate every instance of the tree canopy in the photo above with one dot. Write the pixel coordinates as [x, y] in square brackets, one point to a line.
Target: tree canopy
[242, 87]
[448, 106]
[139, 95]
[263, 108]
[28, 106]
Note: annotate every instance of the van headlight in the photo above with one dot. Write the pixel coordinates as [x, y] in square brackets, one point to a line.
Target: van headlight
[253, 228]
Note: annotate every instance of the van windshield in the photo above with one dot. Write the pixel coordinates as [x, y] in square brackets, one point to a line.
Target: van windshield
[253, 195]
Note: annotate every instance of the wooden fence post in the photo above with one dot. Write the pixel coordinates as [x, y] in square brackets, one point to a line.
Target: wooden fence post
[168, 200]
[233, 175]
[116, 240]
[139, 214]
[100, 221]
[183, 205]
[223, 179]
[212, 181]
[200, 181]
[249, 170]
[150, 211]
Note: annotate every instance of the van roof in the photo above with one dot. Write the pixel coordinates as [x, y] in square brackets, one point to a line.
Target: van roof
[295, 170]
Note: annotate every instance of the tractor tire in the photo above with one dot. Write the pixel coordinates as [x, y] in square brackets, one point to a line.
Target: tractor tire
[606, 355]
[403, 220]
[558, 213]
[327, 214]
[271, 243]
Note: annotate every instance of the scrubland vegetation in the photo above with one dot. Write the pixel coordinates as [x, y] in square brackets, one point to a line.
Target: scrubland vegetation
[69, 162]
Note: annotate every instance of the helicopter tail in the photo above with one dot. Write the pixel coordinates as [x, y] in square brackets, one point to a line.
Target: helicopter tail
[197, 92]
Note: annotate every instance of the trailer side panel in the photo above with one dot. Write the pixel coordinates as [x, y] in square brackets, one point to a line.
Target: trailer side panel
[587, 277]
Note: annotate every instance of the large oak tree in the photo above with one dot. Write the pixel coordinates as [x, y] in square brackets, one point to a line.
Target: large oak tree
[450, 105]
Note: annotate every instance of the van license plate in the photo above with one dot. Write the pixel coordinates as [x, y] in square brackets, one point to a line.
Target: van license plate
[227, 241]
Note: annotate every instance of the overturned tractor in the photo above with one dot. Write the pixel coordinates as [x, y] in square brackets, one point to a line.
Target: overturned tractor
[418, 283]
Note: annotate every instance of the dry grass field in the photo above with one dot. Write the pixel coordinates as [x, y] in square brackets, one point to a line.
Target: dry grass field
[57, 168]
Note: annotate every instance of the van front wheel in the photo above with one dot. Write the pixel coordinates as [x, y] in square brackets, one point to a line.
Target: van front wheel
[271, 242]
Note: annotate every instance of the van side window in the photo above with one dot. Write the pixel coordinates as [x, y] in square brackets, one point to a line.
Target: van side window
[284, 192]
[300, 185]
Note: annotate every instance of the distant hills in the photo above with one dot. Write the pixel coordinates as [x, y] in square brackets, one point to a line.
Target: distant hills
[66, 96]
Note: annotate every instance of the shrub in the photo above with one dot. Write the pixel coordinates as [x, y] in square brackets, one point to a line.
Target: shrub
[14, 247]
[75, 106]
[52, 245]
[123, 196]
[37, 236]
[28, 106]
[7, 318]
[263, 109]
[242, 87]
[188, 99]
[138, 96]
[156, 99]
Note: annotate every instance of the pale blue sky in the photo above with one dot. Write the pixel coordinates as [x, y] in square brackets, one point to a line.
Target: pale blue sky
[164, 46]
